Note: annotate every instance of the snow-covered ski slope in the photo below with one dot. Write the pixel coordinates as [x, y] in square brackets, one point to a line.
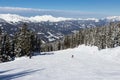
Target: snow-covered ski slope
[88, 63]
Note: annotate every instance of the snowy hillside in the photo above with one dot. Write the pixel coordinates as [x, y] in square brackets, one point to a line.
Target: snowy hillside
[56, 26]
[88, 63]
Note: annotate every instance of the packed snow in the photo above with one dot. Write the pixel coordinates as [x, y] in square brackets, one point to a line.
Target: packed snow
[88, 63]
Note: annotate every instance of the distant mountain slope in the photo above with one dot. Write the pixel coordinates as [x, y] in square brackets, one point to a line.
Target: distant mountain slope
[50, 28]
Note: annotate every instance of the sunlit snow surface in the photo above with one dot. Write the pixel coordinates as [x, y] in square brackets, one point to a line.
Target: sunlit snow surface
[88, 63]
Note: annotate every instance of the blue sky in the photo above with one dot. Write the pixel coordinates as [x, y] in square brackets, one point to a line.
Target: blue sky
[90, 8]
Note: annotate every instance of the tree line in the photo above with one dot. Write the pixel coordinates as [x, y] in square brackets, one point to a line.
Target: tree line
[107, 36]
[23, 43]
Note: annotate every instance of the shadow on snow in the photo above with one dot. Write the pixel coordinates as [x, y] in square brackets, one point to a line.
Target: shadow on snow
[44, 53]
[16, 75]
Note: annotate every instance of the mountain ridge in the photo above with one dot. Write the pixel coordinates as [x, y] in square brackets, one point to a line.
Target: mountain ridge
[39, 18]
[57, 26]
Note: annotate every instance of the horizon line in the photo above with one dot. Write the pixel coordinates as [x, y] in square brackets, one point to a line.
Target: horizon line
[57, 13]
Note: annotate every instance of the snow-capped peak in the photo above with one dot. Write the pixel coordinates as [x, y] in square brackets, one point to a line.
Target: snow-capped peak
[93, 19]
[16, 18]
[12, 17]
[48, 18]
[112, 18]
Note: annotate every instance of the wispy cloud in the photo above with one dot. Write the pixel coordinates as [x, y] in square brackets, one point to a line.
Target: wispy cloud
[21, 9]
[56, 13]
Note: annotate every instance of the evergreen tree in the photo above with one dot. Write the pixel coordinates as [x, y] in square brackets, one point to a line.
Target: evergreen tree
[1, 51]
[5, 47]
[24, 43]
[59, 45]
[67, 42]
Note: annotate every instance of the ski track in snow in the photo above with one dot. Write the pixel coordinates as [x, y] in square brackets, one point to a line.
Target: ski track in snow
[88, 63]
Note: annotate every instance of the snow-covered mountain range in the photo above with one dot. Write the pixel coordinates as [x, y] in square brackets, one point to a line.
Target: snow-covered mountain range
[51, 28]
[17, 18]
[112, 18]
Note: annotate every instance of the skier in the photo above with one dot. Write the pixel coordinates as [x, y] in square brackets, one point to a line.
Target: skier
[30, 55]
[72, 56]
